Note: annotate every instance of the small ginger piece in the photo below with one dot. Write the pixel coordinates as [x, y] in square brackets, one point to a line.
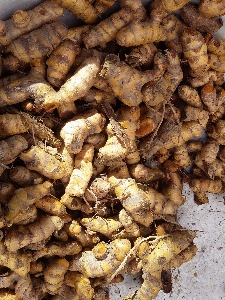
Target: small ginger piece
[60, 61]
[216, 62]
[116, 252]
[25, 177]
[32, 233]
[54, 274]
[143, 174]
[82, 172]
[189, 95]
[215, 45]
[81, 9]
[195, 51]
[51, 205]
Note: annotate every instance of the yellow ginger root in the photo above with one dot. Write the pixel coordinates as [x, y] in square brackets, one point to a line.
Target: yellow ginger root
[140, 204]
[142, 55]
[81, 284]
[18, 262]
[23, 198]
[38, 43]
[157, 93]
[159, 9]
[39, 160]
[171, 135]
[195, 51]
[32, 233]
[202, 186]
[23, 22]
[213, 8]
[95, 96]
[172, 185]
[76, 203]
[76, 231]
[81, 9]
[90, 266]
[76, 130]
[105, 226]
[82, 172]
[174, 28]
[10, 148]
[140, 33]
[24, 177]
[46, 97]
[51, 205]
[54, 274]
[126, 82]
[107, 29]
[60, 249]
[181, 157]
[131, 227]
[193, 18]
[143, 174]
[189, 95]
[60, 61]
[207, 77]
[153, 261]
[183, 257]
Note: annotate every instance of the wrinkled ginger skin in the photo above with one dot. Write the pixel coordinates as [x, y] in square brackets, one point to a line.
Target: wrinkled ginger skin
[92, 267]
[38, 43]
[81, 9]
[195, 50]
[32, 233]
[212, 8]
[126, 82]
[23, 22]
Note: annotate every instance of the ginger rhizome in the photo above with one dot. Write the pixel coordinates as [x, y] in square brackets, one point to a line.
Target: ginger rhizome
[95, 146]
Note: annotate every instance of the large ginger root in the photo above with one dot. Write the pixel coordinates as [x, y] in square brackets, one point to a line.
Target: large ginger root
[81, 9]
[153, 261]
[79, 128]
[193, 18]
[130, 93]
[32, 233]
[46, 97]
[107, 29]
[54, 274]
[90, 266]
[156, 93]
[23, 198]
[82, 172]
[39, 42]
[212, 8]
[25, 21]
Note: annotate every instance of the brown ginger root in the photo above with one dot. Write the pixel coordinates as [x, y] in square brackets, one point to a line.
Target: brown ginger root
[130, 93]
[193, 18]
[39, 42]
[32, 233]
[24, 177]
[189, 95]
[23, 22]
[212, 8]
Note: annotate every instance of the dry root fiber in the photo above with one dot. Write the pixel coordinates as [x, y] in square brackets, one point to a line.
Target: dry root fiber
[99, 127]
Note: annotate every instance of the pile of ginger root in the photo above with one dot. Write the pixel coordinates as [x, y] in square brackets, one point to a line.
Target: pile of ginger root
[100, 125]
